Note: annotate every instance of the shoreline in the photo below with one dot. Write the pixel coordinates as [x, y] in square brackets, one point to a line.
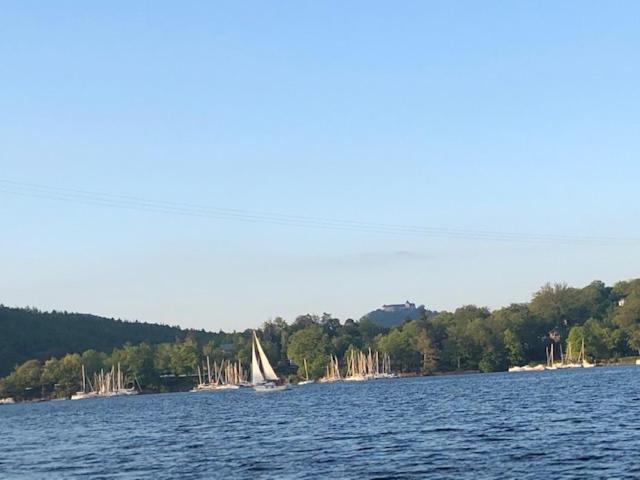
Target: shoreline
[628, 362]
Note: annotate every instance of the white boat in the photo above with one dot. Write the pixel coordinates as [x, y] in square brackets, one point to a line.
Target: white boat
[126, 391]
[227, 386]
[84, 394]
[386, 368]
[110, 384]
[306, 374]
[333, 371]
[119, 387]
[361, 366]
[568, 361]
[229, 376]
[7, 401]
[638, 361]
[356, 367]
[263, 378]
[527, 368]
[207, 386]
[269, 387]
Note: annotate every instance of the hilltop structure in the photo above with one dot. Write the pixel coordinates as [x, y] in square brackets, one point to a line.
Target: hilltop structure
[390, 315]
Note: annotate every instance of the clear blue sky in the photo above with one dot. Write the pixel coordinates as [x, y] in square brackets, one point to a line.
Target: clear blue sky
[515, 117]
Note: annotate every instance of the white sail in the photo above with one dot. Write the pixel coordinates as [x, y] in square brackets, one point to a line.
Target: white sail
[269, 374]
[256, 374]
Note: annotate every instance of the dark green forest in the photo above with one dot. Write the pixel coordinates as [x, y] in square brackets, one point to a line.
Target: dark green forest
[470, 338]
[28, 333]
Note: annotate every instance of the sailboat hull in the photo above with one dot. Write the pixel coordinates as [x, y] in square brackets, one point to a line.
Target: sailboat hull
[228, 386]
[267, 388]
[125, 392]
[306, 382]
[83, 395]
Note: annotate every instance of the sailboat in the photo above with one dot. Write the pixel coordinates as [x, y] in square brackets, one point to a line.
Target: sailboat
[551, 359]
[568, 361]
[306, 374]
[204, 386]
[356, 367]
[119, 387]
[228, 379]
[263, 378]
[386, 367]
[83, 394]
[333, 371]
[583, 356]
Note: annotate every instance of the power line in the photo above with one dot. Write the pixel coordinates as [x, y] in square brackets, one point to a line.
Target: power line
[135, 203]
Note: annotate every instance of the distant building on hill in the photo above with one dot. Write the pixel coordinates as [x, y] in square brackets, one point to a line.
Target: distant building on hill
[390, 315]
[398, 307]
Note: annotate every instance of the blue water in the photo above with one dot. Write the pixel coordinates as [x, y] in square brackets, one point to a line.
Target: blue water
[543, 425]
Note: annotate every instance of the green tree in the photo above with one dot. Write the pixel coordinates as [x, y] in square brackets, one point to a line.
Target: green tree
[162, 358]
[24, 382]
[398, 344]
[313, 344]
[93, 361]
[137, 362]
[65, 373]
[429, 354]
[185, 357]
[513, 348]
[626, 315]
[596, 338]
[574, 342]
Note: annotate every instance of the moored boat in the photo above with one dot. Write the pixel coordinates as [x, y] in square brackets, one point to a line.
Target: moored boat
[307, 381]
[84, 394]
[333, 371]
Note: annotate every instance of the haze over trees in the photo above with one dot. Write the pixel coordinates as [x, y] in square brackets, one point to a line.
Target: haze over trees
[470, 338]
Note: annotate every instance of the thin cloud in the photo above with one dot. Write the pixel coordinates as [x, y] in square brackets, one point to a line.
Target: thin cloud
[381, 258]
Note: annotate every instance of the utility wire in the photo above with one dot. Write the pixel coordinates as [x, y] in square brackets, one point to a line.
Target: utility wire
[186, 209]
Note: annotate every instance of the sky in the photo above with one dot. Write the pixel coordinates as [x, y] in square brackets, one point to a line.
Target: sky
[124, 125]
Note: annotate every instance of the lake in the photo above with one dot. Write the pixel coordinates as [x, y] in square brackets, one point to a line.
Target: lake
[542, 425]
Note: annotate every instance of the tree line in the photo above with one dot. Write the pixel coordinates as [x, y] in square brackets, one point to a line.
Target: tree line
[27, 333]
[470, 338]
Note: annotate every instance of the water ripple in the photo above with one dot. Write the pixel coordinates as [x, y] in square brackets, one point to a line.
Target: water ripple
[560, 424]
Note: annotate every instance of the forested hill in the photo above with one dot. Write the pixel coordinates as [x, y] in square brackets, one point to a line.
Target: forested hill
[27, 333]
